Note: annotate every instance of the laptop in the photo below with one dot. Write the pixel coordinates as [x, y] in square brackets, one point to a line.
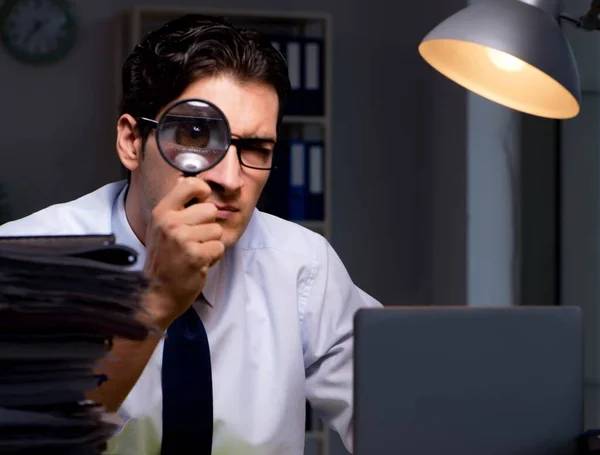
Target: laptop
[468, 381]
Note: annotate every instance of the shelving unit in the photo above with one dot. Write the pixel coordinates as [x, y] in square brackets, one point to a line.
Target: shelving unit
[307, 125]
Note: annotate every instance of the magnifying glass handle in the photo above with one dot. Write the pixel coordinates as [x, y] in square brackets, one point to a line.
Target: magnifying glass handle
[194, 200]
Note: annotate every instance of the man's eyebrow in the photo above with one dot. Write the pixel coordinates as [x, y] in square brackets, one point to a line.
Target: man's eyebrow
[256, 139]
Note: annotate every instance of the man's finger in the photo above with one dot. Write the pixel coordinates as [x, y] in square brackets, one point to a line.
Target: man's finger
[208, 252]
[201, 233]
[196, 214]
[186, 189]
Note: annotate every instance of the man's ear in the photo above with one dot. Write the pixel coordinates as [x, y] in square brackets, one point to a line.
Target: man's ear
[129, 142]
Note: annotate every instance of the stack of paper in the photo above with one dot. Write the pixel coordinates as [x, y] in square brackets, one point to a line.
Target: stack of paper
[62, 300]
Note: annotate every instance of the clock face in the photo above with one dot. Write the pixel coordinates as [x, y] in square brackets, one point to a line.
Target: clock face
[37, 31]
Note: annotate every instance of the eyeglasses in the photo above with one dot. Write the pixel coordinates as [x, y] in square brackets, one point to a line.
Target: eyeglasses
[185, 136]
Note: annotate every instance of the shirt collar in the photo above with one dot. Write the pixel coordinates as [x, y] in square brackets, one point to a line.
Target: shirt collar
[123, 232]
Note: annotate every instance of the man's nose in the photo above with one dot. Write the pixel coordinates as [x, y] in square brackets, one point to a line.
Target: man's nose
[226, 174]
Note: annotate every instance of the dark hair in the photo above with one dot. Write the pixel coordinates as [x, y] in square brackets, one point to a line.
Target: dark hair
[170, 58]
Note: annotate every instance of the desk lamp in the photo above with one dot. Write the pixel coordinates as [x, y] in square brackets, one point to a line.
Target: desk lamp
[512, 52]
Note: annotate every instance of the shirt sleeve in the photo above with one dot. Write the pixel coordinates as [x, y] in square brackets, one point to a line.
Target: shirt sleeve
[328, 323]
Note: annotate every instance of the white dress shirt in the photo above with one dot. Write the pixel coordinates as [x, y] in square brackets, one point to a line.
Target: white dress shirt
[279, 327]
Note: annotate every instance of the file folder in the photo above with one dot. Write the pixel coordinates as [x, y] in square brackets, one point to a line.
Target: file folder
[305, 61]
[289, 48]
[296, 189]
[297, 202]
[316, 181]
[314, 77]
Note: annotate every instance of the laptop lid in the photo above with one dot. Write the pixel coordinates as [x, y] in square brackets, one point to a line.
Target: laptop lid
[468, 381]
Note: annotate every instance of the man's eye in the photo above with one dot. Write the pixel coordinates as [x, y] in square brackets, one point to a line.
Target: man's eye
[192, 136]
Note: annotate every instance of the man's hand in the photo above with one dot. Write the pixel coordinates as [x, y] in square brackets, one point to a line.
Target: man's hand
[182, 243]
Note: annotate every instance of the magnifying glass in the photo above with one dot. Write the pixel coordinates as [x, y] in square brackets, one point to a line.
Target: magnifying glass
[193, 135]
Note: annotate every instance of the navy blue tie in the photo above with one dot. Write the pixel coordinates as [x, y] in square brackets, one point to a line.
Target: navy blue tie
[187, 388]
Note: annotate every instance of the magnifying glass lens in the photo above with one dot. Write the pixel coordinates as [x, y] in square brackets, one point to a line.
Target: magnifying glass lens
[193, 136]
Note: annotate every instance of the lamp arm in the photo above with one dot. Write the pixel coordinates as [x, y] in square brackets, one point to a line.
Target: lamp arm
[589, 21]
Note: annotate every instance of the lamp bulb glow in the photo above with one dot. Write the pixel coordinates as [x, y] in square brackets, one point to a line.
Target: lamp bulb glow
[504, 61]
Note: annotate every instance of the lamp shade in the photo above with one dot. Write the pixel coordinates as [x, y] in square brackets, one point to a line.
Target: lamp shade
[509, 52]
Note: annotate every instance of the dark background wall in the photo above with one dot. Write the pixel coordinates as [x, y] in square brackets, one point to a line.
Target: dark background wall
[398, 177]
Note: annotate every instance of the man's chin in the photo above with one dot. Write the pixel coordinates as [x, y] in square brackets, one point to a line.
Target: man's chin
[230, 234]
[233, 230]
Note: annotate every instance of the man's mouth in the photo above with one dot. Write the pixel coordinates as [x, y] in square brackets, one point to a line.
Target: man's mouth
[227, 208]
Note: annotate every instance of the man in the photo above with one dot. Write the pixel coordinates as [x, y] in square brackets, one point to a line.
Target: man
[274, 298]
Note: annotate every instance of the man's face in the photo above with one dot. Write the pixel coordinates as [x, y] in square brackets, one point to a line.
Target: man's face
[251, 110]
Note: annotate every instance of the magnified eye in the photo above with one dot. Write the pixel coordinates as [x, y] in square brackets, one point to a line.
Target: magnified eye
[192, 135]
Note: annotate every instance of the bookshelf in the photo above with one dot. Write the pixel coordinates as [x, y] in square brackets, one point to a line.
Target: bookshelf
[305, 135]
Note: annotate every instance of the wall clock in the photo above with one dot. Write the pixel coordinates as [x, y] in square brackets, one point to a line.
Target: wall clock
[37, 31]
